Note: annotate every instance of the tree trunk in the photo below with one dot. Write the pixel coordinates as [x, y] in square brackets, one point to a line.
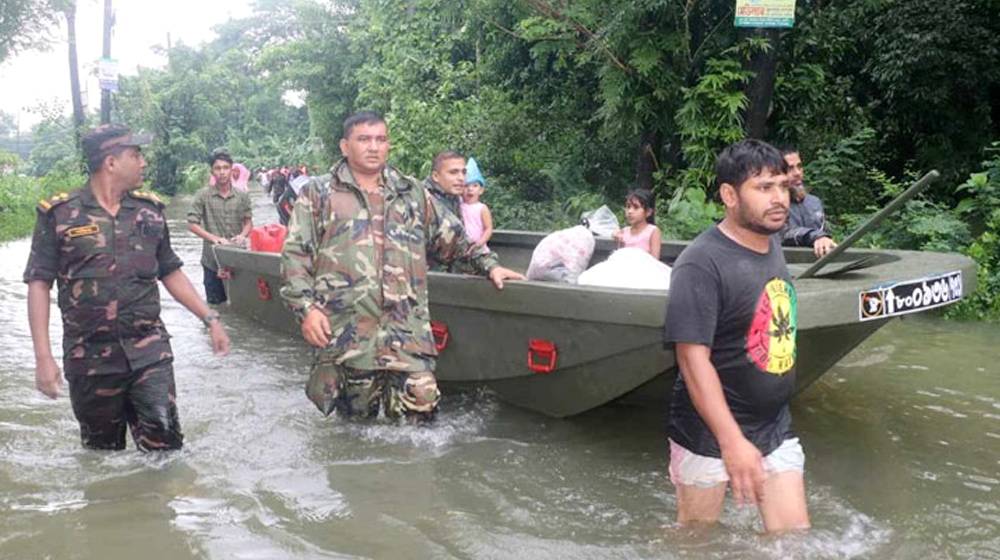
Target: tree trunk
[74, 74]
[645, 161]
[760, 90]
[106, 53]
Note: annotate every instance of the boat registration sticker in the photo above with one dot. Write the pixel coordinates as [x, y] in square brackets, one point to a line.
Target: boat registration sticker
[911, 296]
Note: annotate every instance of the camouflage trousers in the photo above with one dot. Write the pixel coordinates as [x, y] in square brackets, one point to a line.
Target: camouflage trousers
[143, 400]
[413, 396]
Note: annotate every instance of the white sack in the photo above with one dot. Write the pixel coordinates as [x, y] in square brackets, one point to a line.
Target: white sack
[562, 255]
[628, 268]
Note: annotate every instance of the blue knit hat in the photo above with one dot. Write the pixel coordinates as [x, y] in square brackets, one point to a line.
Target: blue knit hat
[473, 174]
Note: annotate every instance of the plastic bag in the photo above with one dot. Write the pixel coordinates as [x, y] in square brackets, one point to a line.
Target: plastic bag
[628, 268]
[562, 255]
[601, 221]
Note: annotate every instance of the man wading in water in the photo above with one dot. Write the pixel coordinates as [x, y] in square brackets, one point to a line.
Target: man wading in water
[732, 320]
[354, 272]
[106, 244]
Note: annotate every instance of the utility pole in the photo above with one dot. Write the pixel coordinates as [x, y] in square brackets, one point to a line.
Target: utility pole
[106, 53]
[760, 89]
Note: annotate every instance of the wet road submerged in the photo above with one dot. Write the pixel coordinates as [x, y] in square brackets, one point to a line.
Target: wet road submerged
[902, 444]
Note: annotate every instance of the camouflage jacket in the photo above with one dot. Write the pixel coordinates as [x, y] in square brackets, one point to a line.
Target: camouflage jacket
[106, 268]
[378, 310]
[449, 201]
[454, 205]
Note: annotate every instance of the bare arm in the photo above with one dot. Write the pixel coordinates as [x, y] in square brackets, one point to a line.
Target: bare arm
[742, 458]
[180, 288]
[655, 242]
[47, 378]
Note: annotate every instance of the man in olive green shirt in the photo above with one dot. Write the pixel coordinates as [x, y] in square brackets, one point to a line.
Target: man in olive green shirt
[220, 215]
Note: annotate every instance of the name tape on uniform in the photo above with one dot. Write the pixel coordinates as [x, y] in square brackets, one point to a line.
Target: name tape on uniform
[80, 231]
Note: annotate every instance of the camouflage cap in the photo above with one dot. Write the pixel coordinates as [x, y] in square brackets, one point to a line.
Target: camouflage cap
[103, 140]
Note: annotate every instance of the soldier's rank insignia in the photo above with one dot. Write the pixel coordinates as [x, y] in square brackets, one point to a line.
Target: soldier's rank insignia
[80, 231]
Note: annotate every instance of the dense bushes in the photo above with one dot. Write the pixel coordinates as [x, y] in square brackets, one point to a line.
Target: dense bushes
[19, 196]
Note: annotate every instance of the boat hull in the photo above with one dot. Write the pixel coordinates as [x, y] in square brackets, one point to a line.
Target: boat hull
[608, 341]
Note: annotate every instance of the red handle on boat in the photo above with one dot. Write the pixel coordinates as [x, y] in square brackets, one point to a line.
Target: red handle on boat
[544, 350]
[440, 332]
[263, 290]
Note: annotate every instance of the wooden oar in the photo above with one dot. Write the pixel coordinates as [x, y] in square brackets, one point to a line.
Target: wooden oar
[872, 223]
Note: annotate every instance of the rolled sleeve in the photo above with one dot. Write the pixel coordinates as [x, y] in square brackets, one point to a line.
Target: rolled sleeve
[196, 213]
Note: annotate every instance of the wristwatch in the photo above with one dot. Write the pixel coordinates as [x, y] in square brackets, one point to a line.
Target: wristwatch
[212, 316]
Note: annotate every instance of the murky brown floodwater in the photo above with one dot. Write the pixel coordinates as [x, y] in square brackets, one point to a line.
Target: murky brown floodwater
[902, 442]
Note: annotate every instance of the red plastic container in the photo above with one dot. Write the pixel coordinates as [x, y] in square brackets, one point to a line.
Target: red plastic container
[268, 239]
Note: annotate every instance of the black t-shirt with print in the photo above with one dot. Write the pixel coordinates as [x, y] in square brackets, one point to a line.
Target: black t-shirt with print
[741, 304]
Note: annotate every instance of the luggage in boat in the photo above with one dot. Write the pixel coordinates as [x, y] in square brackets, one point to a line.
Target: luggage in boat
[562, 255]
[628, 268]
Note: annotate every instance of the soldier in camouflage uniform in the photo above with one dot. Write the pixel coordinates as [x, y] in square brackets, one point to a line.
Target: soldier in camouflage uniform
[106, 244]
[354, 271]
[446, 183]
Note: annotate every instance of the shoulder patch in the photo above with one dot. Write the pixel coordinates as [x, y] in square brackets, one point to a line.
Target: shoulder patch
[151, 197]
[46, 204]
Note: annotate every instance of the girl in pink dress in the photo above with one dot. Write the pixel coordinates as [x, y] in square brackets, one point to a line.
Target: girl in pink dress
[641, 231]
[476, 216]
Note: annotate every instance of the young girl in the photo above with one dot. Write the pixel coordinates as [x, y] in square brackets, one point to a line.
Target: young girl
[641, 232]
[476, 217]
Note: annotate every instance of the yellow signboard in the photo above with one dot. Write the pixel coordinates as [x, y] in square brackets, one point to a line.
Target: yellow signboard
[765, 13]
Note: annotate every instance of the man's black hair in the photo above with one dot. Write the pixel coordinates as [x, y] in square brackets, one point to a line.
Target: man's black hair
[364, 117]
[220, 154]
[745, 159]
[646, 200]
[440, 158]
[785, 150]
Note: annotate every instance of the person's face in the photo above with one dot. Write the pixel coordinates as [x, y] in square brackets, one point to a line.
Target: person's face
[635, 213]
[367, 147]
[760, 204]
[236, 174]
[472, 192]
[129, 165]
[451, 176]
[795, 172]
[222, 170]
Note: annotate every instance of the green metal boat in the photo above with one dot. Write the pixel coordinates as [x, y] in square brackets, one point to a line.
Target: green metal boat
[562, 349]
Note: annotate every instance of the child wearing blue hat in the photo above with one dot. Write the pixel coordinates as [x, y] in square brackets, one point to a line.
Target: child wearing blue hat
[476, 216]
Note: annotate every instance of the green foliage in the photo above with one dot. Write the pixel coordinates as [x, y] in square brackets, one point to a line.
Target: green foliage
[53, 145]
[841, 174]
[195, 176]
[19, 196]
[689, 213]
[711, 117]
[24, 24]
[9, 159]
[982, 205]
[215, 96]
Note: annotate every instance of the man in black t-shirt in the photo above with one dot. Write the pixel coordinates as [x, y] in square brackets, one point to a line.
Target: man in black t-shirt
[732, 320]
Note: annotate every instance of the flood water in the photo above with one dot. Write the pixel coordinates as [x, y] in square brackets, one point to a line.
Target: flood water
[902, 441]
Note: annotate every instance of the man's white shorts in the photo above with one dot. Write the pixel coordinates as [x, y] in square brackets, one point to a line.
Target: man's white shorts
[690, 469]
